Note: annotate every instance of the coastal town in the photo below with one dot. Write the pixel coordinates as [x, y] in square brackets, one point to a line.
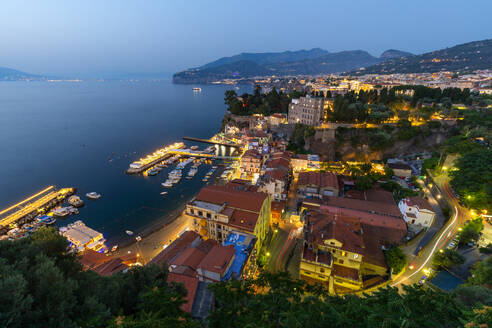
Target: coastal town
[351, 202]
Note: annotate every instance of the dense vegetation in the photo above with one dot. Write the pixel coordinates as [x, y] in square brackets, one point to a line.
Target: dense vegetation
[298, 138]
[259, 103]
[42, 286]
[404, 102]
[274, 300]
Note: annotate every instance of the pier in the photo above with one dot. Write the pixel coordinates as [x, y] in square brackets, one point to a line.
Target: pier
[211, 141]
[32, 206]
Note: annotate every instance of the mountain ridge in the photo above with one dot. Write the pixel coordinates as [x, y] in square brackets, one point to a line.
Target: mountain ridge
[465, 57]
[10, 74]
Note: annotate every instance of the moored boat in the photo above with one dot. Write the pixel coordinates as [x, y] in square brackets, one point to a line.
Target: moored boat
[129, 233]
[75, 200]
[93, 195]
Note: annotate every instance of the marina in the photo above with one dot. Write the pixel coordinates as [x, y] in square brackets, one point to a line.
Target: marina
[27, 210]
[155, 158]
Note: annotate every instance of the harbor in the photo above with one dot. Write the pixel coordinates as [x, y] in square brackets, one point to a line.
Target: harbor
[153, 159]
[34, 206]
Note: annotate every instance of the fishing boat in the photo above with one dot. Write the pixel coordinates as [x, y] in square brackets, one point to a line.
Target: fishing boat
[129, 233]
[93, 195]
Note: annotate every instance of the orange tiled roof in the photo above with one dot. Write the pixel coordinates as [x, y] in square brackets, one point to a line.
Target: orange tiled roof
[218, 259]
[190, 283]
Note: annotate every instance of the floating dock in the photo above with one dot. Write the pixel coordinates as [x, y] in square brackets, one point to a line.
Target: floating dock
[29, 208]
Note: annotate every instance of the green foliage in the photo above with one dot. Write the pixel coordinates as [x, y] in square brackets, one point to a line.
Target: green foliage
[461, 145]
[396, 259]
[405, 130]
[447, 258]
[471, 231]
[364, 182]
[481, 274]
[275, 300]
[42, 286]
[297, 140]
[429, 163]
[259, 103]
[471, 296]
[472, 179]
[379, 139]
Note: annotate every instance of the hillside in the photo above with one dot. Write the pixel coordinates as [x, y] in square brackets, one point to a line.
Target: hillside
[465, 57]
[8, 74]
[248, 65]
[392, 53]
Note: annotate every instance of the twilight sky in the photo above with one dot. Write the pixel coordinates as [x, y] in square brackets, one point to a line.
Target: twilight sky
[101, 37]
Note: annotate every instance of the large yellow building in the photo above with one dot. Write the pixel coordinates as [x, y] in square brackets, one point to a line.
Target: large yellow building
[340, 252]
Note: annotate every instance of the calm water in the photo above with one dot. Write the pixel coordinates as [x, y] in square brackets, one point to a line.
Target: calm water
[85, 135]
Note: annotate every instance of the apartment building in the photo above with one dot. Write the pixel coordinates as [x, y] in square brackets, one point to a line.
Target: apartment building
[307, 110]
[218, 211]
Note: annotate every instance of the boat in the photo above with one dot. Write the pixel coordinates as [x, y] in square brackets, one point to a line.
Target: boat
[93, 195]
[75, 200]
[138, 238]
[152, 172]
[129, 233]
[114, 248]
[72, 210]
[204, 179]
[167, 184]
[60, 211]
[164, 193]
[197, 89]
[49, 221]
[194, 147]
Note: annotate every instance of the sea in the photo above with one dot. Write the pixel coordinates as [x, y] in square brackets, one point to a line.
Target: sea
[85, 135]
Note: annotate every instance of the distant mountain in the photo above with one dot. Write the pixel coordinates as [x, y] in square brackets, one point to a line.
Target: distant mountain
[269, 57]
[392, 53]
[248, 65]
[465, 57]
[8, 74]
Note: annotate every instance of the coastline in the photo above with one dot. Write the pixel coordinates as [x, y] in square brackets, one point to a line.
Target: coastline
[162, 232]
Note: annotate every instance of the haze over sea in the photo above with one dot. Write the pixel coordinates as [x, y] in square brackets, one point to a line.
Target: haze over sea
[84, 135]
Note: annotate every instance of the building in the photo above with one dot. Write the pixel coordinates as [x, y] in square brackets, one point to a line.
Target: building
[417, 211]
[196, 263]
[104, 265]
[383, 216]
[81, 237]
[277, 119]
[341, 252]
[307, 110]
[274, 182]
[217, 211]
[401, 169]
[304, 162]
[317, 184]
[251, 162]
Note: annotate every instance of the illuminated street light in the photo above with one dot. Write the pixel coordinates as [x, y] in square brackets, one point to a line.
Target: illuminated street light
[268, 254]
[438, 196]
[441, 251]
[444, 168]
[411, 267]
[459, 229]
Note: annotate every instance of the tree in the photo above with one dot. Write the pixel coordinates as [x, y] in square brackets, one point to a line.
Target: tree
[275, 300]
[471, 231]
[481, 274]
[396, 259]
[447, 258]
[364, 182]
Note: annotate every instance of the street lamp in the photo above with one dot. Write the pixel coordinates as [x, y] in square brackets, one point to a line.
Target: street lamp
[268, 254]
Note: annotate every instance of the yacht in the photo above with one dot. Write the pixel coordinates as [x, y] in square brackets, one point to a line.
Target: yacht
[93, 195]
[129, 233]
[167, 184]
[75, 201]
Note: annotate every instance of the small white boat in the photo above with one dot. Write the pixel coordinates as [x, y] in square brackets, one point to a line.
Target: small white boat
[93, 195]
[164, 193]
[129, 233]
[115, 247]
[197, 89]
[194, 147]
[138, 238]
[61, 211]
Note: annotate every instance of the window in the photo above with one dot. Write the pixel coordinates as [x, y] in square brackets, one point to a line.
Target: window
[200, 213]
[208, 215]
[340, 261]
[344, 253]
[322, 270]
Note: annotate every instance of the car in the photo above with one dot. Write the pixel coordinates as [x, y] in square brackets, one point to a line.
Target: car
[451, 245]
[422, 280]
[471, 243]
